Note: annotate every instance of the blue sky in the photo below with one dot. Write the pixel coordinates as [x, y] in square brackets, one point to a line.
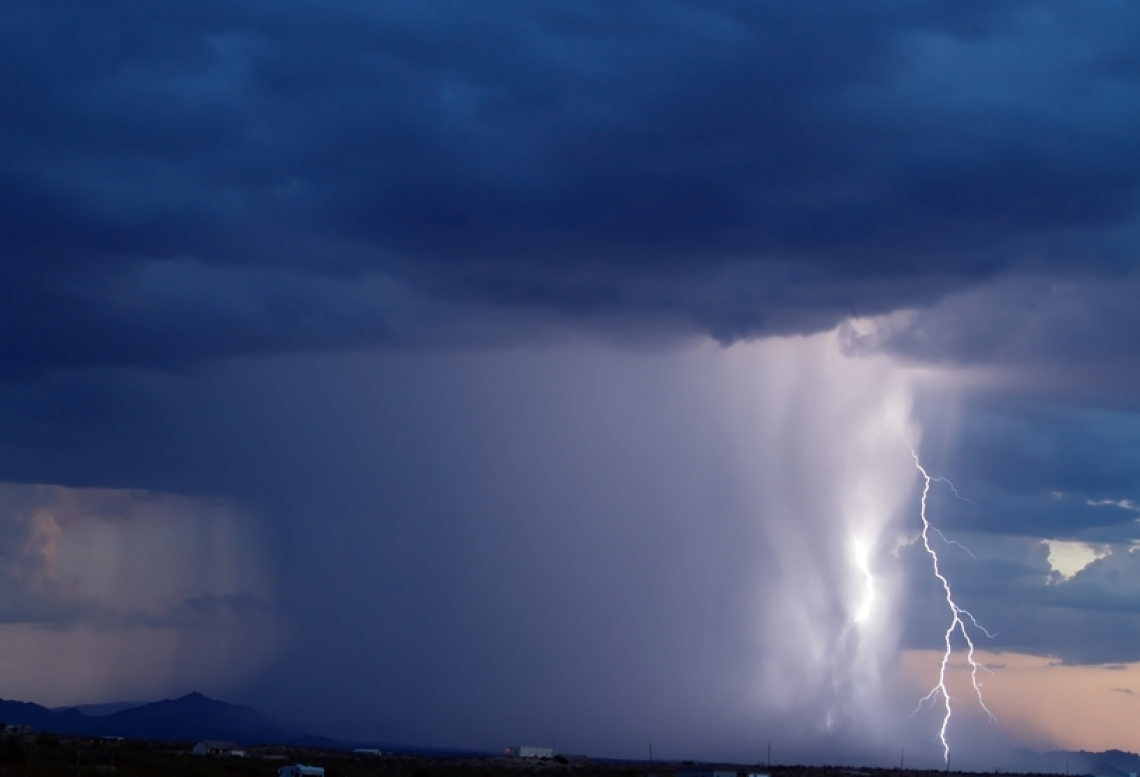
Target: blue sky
[546, 370]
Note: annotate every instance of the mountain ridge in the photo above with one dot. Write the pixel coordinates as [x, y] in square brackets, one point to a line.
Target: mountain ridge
[187, 718]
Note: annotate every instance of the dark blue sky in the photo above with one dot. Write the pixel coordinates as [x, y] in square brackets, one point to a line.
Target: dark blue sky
[406, 340]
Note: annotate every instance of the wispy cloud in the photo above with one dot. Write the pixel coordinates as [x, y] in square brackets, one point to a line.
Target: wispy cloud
[1123, 504]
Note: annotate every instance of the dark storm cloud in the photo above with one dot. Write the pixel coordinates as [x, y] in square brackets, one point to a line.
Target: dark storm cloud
[540, 544]
[1092, 617]
[1030, 466]
[182, 183]
[1075, 338]
[1034, 469]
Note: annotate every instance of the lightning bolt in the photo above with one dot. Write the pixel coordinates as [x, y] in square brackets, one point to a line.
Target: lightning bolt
[953, 488]
[949, 541]
[957, 624]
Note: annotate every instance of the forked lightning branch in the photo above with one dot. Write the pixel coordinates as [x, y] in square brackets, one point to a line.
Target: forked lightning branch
[960, 621]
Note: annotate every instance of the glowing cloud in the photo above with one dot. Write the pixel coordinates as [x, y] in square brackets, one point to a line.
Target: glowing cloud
[131, 592]
[1067, 558]
[817, 433]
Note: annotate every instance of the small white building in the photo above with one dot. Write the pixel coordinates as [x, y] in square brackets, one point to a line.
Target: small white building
[529, 751]
[300, 770]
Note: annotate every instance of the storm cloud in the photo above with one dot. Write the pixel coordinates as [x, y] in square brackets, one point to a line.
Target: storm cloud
[547, 370]
[186, 184]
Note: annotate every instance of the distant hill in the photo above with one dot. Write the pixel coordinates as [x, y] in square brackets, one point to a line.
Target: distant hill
[186, 719]
[27, 714]
[194, 717]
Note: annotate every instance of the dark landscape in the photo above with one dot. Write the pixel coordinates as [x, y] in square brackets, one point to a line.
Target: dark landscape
[51, 755]
[157, 738]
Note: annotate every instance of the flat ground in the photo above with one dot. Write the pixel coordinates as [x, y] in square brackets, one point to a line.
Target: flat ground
[49, 756]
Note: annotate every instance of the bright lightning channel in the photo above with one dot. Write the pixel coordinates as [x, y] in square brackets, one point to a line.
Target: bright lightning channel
[861, 552]
[957, 624]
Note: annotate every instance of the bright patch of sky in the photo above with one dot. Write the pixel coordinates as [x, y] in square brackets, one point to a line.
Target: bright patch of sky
[1067, 558]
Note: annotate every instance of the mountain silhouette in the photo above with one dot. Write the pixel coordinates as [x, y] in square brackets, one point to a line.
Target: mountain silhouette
[186, 719]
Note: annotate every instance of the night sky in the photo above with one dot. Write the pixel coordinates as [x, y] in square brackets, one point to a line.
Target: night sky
[476, 374]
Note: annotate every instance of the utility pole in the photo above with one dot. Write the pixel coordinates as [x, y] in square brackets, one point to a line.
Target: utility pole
[769, 755]
[902, 759]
